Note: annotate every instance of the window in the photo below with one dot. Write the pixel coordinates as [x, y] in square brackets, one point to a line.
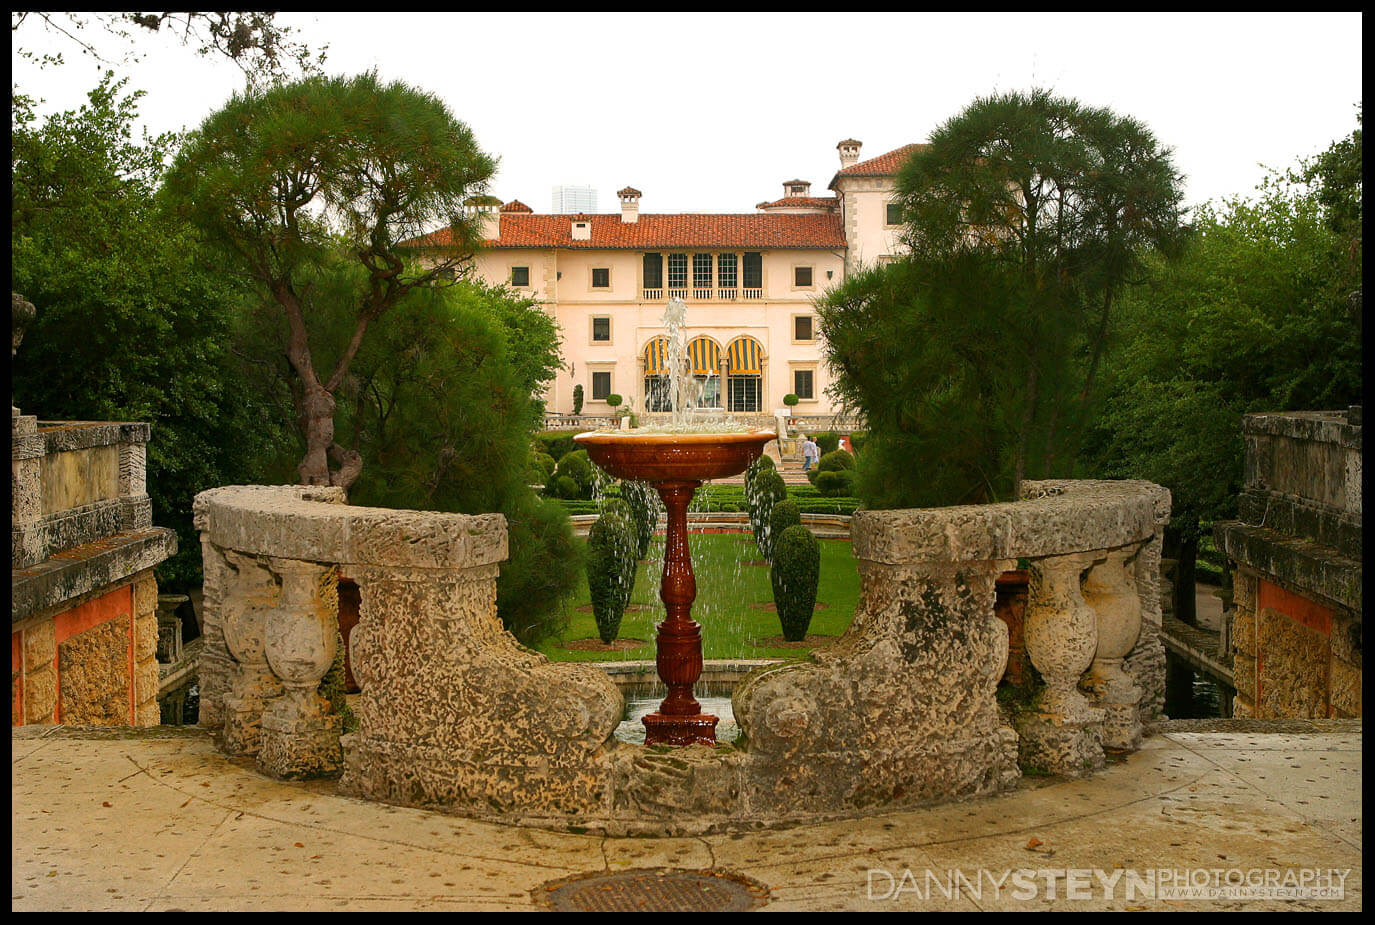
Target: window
[802, 277]
[701, 271]
[752, 271]
[601, 330]
[520, 276]
[894, 214]
[725, 271]
[601, 385]
[802, 327]
[803, 383]
[677, 271]
[601, 278]
[654, 271]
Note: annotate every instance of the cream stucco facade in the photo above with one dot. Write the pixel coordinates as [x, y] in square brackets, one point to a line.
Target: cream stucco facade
[749, 281]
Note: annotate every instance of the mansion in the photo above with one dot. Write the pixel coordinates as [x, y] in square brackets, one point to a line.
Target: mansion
[749, 281]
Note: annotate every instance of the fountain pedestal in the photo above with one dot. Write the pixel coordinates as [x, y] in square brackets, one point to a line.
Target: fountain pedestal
[678, 647]
[676, 465]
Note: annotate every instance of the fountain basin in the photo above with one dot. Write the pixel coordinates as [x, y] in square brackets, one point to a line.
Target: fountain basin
[650, 457]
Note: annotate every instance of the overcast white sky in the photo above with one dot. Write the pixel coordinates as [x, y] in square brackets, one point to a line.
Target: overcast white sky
[712, 112]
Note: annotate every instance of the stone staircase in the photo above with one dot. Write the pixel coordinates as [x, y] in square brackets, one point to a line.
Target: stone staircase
[790, 468]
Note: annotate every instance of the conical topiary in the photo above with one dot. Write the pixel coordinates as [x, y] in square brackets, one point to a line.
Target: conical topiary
[795, 573]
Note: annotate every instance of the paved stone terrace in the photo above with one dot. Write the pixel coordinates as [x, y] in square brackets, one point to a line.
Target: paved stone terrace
[158, 820]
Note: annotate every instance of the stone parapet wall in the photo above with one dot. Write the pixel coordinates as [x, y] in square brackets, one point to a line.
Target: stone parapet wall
[1296, 632]
[73, 483]
[83, 599]
[454, 714]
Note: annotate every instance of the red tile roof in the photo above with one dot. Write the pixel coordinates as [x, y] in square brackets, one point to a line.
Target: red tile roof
[515, 205]
[651, 232]
[885, 165]
[810, 202]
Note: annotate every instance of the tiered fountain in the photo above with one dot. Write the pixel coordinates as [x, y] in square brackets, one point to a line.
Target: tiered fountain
[676, 459]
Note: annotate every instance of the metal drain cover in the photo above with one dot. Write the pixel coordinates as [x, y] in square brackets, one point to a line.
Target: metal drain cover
[655, 890]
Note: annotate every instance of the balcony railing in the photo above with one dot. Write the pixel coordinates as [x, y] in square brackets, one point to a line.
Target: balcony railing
[721, 295]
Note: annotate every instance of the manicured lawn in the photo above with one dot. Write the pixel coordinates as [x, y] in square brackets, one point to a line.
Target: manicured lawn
[726, 587]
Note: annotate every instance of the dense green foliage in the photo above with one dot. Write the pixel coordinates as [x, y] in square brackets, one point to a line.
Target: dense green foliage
[575, 469]
[443, 417]
[795, 573]
[974, 359]
[134, 321]
[557, 443]
[766, 490]
[1256, 315]
[611, 562]
[577, 399]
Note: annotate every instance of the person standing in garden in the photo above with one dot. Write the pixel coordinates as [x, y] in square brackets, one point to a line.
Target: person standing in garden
[810, 452]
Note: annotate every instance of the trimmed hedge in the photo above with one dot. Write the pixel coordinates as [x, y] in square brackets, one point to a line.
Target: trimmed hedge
[836, 483]
[557, 443]
[576, 467]
[827, 441]
[795, 573]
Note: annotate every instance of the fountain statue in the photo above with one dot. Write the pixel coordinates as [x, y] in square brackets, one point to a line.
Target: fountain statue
[676, 459]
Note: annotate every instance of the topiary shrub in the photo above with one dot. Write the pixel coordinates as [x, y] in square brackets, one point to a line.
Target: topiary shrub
[836, 483]
[541, 468]
[577, 399]
[563, 487]
[794, 575]
[836, 459]
[785, 514]
[644, 512]
[768, 490]
[827, 442]
[857, 439]
[557, 443]
[611, 562]
[577, 467]
[765, 461]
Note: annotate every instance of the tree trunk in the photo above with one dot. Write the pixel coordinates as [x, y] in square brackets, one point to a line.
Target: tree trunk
[317, 426]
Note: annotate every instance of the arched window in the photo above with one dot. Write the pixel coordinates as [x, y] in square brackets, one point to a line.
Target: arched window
[744, 375]
[656, 375]
[704, 359]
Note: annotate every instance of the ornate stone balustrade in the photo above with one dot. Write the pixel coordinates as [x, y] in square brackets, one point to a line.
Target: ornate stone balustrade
[443, 684]
[902, 711]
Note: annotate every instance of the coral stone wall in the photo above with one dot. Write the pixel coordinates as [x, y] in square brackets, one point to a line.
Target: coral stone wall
[1296, 631]
[83, 602]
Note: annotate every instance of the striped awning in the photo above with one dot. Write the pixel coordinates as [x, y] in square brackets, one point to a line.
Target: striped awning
[656, 357]
[704, 356]
[746, 357]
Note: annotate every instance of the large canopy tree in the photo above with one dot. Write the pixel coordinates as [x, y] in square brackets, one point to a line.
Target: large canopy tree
[292, 179]
[134, 323]
[1064, 200]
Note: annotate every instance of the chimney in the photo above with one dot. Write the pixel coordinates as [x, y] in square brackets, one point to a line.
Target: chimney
[849, 152]
[794, 189]
[630, 205]
[582, 227]
[483, 210]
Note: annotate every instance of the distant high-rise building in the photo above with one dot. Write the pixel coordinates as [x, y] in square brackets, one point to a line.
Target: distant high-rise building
[568, 199]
